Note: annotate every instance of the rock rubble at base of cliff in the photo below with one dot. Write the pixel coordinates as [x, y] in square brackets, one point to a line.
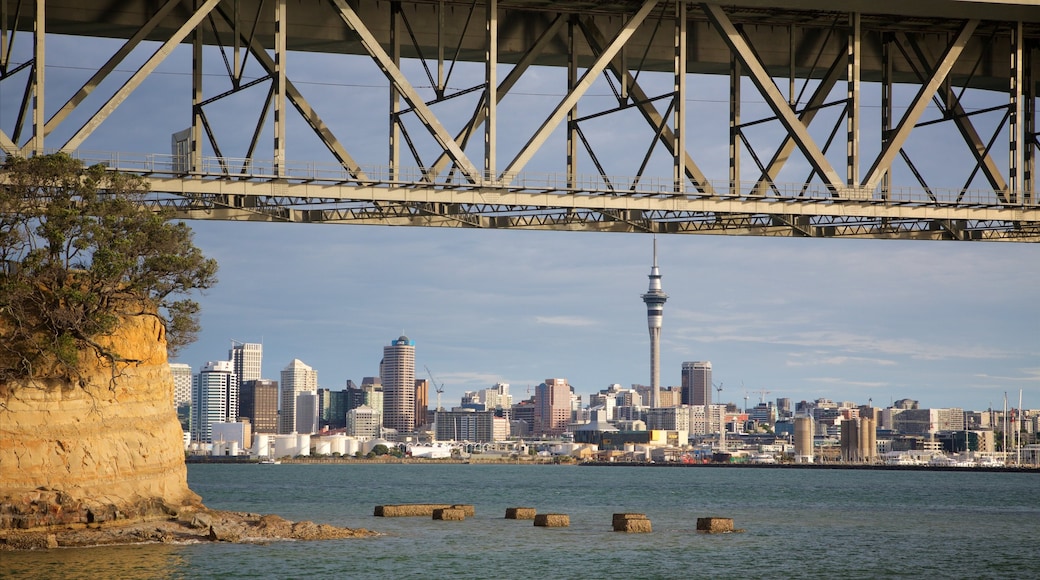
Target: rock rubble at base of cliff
[188, 527]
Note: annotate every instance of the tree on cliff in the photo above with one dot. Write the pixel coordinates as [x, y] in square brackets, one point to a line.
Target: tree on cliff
[77, 252]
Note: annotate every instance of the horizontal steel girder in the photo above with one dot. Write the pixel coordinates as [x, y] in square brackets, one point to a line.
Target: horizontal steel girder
[510, 208]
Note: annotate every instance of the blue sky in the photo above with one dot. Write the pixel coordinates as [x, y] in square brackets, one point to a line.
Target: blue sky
[948, 324]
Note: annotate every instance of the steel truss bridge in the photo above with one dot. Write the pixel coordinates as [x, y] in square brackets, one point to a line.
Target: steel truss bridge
[922, 75]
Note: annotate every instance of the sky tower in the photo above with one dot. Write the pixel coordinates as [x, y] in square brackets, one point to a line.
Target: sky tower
[655, 299]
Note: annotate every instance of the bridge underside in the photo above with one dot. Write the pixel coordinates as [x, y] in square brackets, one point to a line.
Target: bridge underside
[828, 123]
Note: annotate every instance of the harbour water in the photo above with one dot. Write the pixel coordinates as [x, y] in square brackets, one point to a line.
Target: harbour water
[797, 524]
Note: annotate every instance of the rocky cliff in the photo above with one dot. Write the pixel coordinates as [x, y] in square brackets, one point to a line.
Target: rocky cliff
[106, 446]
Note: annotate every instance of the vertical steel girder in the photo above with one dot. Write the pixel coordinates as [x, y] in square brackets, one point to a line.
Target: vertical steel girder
[1014, 186]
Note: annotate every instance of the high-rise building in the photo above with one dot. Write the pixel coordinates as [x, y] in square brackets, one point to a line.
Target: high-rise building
[214, 399]
[181, 383]
[248, 360]
[307, 412]
[696, 383]
[333, 407]
[422, 401]
[297, 377]
[397, 371]
[552, 407]
[258, 401]
[655, 299]
[363, 421]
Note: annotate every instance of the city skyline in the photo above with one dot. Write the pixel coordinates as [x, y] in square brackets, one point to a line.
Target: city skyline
[884, 330]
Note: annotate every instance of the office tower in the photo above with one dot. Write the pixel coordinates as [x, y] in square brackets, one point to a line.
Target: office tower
[552, 407]
[297, 377]
[363, 421]
[181, 383]
[333, 407]
[258, 401]
[373, 389]
[397, 371]
[655, 299]
[214, 399]
[422, 401]
[307, 412]
[247, 358]
[696, 383]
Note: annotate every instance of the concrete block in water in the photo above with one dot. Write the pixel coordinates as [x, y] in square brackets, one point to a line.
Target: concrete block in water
[631, 523]
[715, 525]
[449, 514]
[552, 520]
[520, 513]
[408, 510]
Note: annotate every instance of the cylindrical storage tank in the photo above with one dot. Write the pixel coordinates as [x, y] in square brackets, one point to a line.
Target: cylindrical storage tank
[864, 439]
[233, 448]
[285, 445]
[262, 445]
[351, 446]
[322, 446]
[303, 444]
[803, 440]
[337, 444]
[871, 439]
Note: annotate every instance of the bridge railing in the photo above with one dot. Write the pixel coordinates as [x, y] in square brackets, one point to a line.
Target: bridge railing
[168, 165]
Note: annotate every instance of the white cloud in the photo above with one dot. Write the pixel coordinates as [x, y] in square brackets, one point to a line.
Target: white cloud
[565, 321]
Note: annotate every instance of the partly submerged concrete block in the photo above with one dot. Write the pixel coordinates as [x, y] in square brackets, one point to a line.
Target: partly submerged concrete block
[632, 523]
[520, 513]
[449, 514]
[715, 525]
[408, 510]
[552, 520]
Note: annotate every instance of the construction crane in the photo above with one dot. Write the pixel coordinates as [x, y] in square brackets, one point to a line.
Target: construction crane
[762, 396]
[437, 387]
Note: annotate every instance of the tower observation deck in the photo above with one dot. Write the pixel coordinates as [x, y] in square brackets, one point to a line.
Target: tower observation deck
[810, 118]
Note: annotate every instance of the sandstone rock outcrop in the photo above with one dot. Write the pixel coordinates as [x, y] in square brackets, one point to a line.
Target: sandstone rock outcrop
[105, 447]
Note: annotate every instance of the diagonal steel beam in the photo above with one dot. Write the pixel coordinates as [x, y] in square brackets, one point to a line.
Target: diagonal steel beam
[963, 122]
[304, 108]
[902, 131]
[514, 74]
[776, 101]
[7, 145]
[135, 80]
[575, 94]
[395, 76]
[812, 107]
[103, 72]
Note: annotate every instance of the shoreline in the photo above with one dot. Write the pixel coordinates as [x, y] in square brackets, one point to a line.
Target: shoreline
[201, 460]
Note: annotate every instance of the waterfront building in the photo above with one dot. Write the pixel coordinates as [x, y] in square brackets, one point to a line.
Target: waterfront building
[363, 421]
[668, 419]
[552, 402]
[258, 402]
[655, 299]
[181, 383]
[214, 399]
[397, 371]
[307, 412]
[247, 358]
[706, 420]
[297, 377]
[231, 438]
[466, 425]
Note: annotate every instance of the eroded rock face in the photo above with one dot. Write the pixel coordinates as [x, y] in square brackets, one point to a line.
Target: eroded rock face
[105, 447]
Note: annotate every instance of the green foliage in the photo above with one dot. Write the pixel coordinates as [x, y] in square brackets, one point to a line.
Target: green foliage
[380, 450]
[78, 251]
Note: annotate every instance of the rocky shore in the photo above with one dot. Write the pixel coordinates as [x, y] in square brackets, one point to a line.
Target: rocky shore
[189, 526]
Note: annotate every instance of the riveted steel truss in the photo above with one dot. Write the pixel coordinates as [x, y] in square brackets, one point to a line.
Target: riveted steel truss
[832, 119]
